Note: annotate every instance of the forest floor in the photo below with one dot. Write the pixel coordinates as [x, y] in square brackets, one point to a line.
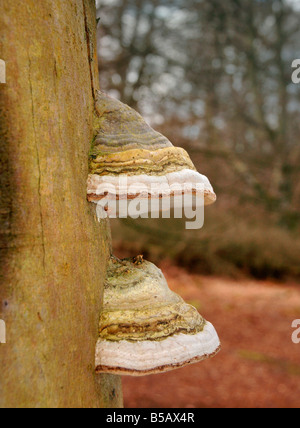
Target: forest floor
[258, 366]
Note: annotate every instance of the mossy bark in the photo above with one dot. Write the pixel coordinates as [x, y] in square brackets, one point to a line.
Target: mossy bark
[53, 253]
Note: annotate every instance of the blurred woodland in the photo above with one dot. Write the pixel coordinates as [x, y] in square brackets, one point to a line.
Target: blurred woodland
[215, 78]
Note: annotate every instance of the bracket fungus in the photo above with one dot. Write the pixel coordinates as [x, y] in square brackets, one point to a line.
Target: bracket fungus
[145, 328]
[126, 146]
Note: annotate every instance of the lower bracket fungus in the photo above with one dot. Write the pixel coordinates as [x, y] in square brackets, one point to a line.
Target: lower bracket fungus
[145, 328]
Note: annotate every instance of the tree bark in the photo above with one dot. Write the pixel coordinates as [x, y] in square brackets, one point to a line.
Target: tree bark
[53, 252]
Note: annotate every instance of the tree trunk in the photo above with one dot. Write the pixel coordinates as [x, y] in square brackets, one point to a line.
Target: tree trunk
[53, 252]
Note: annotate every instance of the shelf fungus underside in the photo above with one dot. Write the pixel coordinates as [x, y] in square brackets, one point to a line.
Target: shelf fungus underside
[125, 145]
[145, 328]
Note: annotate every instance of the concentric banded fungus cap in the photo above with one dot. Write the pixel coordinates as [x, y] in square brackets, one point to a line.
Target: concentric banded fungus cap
[126, 145]
[145, 328]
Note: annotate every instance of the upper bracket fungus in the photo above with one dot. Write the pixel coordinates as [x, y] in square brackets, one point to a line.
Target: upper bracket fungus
[126, 146]
[146, 328]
